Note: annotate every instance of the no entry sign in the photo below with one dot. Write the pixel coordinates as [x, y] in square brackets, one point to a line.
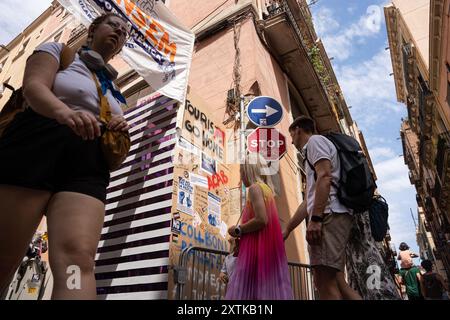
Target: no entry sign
[269, 142]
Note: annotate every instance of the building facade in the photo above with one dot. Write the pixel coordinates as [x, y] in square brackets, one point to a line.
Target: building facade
[420, 62]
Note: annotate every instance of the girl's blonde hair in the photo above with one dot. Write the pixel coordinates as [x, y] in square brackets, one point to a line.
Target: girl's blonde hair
[254, 169]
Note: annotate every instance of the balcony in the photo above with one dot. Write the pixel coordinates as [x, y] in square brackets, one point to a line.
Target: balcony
[275, 8]
[419, 201]
[436, 193]
[427, 226]
[437, 254]
[443, 171]
[429, 208]
[291, 39]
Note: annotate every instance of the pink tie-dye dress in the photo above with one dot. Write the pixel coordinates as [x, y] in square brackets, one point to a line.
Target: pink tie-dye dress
[261, 271]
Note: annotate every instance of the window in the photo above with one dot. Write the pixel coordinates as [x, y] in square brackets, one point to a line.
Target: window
[57, 37]
[24, 46]
[66, 13]
[2, 87]
[2, 64]
[60, 12]
[406, 52]
[448, 93]
[40, 32]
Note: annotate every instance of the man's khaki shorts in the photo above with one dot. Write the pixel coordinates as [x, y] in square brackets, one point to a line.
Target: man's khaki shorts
[336, 229]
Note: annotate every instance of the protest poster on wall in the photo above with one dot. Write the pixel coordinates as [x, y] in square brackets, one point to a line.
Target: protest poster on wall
[159, 49]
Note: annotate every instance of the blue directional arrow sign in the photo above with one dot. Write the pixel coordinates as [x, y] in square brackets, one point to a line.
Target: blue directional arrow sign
[265, 111]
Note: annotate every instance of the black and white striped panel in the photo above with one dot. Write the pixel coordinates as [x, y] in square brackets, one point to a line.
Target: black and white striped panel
[133, 255]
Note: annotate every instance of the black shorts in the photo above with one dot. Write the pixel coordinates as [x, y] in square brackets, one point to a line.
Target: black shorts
[39, 153]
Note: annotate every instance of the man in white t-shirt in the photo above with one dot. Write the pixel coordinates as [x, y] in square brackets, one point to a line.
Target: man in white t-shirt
[330, 222]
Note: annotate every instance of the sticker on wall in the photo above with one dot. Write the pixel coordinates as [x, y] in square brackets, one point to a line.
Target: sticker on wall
[176, 215]
[185, 197]
[197, 220]
[214, 209]
[198, 180]
[223, 229]
[189, 147]
[220, 136]
[176, 226]
[174, 238]
[209, 165]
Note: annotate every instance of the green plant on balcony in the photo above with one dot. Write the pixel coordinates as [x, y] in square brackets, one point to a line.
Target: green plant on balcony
[316, 60]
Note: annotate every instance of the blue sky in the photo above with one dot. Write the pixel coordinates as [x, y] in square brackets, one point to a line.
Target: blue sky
[354, 34]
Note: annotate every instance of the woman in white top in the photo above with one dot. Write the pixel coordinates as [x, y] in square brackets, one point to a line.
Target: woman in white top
[51, 161]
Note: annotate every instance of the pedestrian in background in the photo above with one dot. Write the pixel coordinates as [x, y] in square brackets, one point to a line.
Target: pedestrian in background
[432, 284]
[410, 278]
[229, 262]
[406, 256]
[363, 259]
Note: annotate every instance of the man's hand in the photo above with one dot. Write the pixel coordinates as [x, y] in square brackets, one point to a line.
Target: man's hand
[223, 277]
[314, 233]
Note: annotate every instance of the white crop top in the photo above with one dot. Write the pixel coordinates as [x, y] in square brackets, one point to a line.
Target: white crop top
[75, 87]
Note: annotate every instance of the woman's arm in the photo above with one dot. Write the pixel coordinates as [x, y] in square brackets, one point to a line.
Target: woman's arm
[40, 72]
[259, 221]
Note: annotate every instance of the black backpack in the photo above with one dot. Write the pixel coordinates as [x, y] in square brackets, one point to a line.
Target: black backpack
[378, 213]
[356, 184]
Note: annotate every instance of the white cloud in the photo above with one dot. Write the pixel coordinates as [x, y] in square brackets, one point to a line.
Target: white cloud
[340, 45]
[15, 16]
[392, 176]
[400, 220]
[381, 153]
[324, 22]
[351, 9]
[369, 89]
[394, 186]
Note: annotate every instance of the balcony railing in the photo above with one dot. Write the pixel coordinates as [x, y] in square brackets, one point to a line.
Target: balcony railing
[307, 42]
[419, 201]
[437, 190]
[443, 171]
[442, 153]
[275, 8]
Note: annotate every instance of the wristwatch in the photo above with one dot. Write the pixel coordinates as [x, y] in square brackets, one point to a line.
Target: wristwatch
[238, 231]
[315, 218]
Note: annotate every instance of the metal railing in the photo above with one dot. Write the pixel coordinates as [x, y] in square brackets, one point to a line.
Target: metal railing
[197, 276]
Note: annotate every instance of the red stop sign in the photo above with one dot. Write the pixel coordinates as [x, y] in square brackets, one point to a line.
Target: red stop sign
[269, 142]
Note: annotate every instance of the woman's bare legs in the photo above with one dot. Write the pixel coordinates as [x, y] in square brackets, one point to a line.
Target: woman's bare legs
[21, 210]
[74, 225]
